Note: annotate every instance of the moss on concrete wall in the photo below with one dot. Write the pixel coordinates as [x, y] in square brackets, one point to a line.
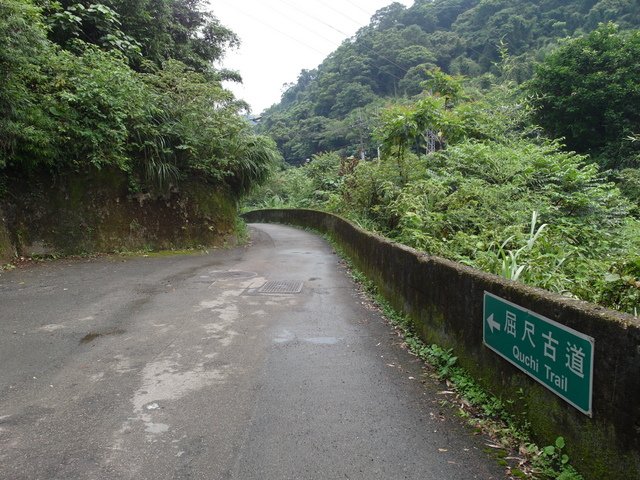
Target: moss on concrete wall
[7, 250]
[444, 299]
[95, 212]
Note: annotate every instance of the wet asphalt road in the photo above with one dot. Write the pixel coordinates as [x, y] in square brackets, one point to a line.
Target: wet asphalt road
[188, 367]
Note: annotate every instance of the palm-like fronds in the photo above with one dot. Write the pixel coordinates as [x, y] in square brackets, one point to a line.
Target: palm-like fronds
[254, 158]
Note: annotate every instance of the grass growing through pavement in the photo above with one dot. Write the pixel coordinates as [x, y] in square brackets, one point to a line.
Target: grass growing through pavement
[511, 444]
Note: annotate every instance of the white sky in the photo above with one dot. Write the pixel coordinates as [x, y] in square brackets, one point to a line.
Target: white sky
[282, 37]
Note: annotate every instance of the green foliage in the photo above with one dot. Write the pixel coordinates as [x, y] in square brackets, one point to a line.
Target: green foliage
[587, 92]
[551, 461]
[23, 122]
[390, 58]
[96, 23]
[496, 196]
[443, 85]
[94, 98]
[404, 126]
[77, 104]
[511, 268]
[153, 30]
[194, 128]
[474, 203]
[251, 159]
[316, 183]
[628, 181]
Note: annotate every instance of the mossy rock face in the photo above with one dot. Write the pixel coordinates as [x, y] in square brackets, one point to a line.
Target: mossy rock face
[7, 250]
[95, 212]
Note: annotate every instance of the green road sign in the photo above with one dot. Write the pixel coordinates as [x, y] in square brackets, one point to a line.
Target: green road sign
[557, 356]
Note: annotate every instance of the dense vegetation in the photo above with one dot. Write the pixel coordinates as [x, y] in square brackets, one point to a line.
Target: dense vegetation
[470, 168]
[126, 85]
[332, 108]
[587, 93]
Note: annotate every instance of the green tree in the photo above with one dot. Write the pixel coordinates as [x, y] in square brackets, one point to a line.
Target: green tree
[24, 123]
[159, 29]
[443, 85]
[95, 99]
[352, 96]
[78, 105]
[96, 23]
[588, 92]
[198, 131]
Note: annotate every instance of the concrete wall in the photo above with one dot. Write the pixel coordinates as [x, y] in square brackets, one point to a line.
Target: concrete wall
[95, 212]
[445, 299]
[7, 250]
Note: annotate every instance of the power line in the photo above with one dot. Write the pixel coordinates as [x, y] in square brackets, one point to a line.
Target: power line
[311, 16]
[348, 36]
[268, 25]
[306, 27]
[319, 20]
[257, 20]
[357, 6]
[357, 22]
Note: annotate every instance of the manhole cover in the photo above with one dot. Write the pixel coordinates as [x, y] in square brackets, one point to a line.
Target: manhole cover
[281, 287]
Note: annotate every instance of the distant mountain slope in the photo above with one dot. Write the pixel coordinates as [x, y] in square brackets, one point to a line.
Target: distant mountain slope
[326, 109]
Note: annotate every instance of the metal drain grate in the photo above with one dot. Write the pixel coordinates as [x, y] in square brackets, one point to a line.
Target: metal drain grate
[281, 287]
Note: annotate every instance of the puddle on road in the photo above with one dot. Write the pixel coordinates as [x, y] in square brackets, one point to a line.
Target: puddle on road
[215, 275]
[156, 428]
[284, 336]
[90, 337]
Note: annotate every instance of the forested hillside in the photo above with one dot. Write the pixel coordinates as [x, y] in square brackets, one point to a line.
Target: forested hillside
[487, 139]
[334, 106]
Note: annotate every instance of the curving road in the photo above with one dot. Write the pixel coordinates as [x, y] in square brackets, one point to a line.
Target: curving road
[261, 362]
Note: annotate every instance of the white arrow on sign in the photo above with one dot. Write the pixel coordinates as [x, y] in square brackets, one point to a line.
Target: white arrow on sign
[492, 323]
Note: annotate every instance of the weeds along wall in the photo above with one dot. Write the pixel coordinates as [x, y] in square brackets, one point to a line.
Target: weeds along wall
[7, 250]
[444, 299]
[96, 212]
